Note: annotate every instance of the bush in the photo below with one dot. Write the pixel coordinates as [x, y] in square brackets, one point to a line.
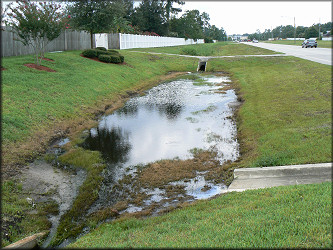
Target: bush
[104, 58]
[108, 56]
[115, 59]
[208, 40]
[101, 48]
[91, 53]
[101, 52]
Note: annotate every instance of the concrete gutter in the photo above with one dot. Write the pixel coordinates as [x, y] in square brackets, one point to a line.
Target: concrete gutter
[265, 177]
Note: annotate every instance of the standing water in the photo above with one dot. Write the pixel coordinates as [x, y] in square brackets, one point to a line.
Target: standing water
[170, 122]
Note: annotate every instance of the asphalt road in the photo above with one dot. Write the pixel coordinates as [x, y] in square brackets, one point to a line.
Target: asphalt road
[320, 55]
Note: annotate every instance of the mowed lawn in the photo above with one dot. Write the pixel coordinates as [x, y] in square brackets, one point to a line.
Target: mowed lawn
[285, 119]
[210, 49]
[281, 217]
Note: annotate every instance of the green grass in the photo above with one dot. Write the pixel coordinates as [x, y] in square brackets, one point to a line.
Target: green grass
[210, 49]
[286, 115]
[22, 218]
[321, 44]
[281, 217]
[285, 119]
[35, 101]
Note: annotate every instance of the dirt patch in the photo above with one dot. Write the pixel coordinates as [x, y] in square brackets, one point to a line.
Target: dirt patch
[162, 172]
[2, 68]
[39, 67]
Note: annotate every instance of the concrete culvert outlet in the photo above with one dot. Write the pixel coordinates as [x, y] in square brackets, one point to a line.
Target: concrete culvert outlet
[202, 66]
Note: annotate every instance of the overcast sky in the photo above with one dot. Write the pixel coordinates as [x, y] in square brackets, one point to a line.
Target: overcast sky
[239, 17]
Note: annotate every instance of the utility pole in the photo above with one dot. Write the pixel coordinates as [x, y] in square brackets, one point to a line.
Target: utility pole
[319, 30]
[294, 31]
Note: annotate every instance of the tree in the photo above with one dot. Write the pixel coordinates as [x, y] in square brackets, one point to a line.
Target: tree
[149, 17]
[300, 31]
[169, 10]
[97, 16]
[192, 24]
[311, 32]
[36, 24]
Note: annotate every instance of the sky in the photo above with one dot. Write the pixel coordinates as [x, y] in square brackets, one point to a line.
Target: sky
[239, 17]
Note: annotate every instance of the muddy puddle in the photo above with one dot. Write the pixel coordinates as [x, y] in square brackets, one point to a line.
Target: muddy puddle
[160, 147]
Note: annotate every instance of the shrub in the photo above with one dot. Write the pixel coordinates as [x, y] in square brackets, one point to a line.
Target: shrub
[108, 56]
[115, 59]
[91, 53]
[101, 52]
[104, 58]
[208, 40]
[101, 48]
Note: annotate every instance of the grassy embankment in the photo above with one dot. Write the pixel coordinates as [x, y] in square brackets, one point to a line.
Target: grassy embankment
[152, 67]
[210, 49]
[285, 119]
[321, 44]
[280, 217]
[38, 106]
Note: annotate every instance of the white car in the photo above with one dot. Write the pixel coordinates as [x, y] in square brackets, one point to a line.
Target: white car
[255, 41]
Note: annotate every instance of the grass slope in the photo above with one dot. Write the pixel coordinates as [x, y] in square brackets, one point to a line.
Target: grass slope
[35, 103]
[281, 217]
[211, 49]
[286, 115]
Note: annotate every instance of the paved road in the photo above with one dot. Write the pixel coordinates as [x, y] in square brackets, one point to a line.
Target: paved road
[320, 55]
[254, 178]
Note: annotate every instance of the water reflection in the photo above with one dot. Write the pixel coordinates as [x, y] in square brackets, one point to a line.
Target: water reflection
[167, 122]
[112, 143]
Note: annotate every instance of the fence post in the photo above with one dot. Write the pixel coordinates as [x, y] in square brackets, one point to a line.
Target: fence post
[65, 40]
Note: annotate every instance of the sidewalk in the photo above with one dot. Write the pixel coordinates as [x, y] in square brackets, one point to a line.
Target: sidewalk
[264, 177]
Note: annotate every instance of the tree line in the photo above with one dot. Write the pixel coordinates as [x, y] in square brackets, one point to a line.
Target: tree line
[36, 23]
[150, 17]
[289, 31]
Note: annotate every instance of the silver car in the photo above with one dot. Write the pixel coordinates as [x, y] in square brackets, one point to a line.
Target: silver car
[309, 43]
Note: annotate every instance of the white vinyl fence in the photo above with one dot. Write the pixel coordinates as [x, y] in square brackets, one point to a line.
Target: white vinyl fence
[80, 40]
[129, 41]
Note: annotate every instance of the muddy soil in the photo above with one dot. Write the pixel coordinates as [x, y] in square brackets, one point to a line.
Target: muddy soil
[42, 182]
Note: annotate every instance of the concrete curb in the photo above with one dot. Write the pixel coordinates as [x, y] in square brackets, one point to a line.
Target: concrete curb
[265, 177]
[308, 169]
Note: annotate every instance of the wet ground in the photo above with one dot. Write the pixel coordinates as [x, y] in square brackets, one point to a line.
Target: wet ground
[159, 147]
[162, 149]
